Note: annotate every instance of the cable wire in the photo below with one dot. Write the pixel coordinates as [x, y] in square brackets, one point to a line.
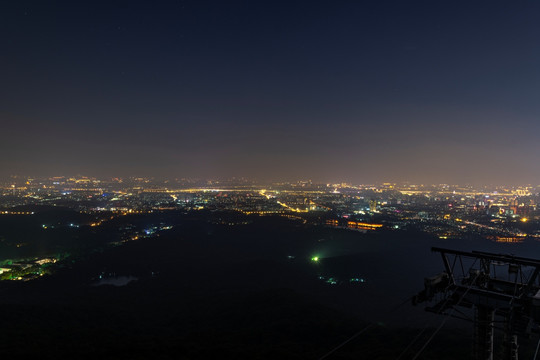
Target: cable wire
[412, 342]
[347, 341]
[444, 320]
[429, 322]
[366, 328]
[536, 352]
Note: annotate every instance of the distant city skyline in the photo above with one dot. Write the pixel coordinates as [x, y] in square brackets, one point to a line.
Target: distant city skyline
[248, 181]
[360, 92]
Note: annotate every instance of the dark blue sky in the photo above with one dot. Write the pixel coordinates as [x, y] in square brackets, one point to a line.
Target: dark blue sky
[361, 91]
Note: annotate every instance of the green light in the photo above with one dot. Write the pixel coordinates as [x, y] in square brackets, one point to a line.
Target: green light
[315, 259]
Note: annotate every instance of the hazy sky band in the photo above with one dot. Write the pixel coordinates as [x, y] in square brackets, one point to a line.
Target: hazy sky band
[357, 91]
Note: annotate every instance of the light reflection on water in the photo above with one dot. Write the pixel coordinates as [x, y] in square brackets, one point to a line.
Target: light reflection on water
[116, 281]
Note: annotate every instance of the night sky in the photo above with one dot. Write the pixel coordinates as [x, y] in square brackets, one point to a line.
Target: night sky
[358, 91]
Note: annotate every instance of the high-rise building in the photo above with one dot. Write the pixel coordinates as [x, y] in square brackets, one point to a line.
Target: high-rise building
[373, 205]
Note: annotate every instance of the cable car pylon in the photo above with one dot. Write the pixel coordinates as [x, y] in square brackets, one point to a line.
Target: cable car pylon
[496, 288]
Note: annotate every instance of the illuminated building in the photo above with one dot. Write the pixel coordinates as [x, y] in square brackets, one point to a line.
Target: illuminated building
[373, 205]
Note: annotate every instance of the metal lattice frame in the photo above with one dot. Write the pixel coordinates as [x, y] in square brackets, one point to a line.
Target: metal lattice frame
[492, 285]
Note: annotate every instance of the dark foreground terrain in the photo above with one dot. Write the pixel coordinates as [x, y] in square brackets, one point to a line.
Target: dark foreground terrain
[205, 290]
